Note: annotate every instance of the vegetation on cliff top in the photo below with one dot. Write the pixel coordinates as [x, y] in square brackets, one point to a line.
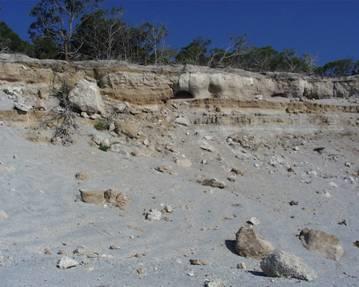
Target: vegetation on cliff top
[82, 30]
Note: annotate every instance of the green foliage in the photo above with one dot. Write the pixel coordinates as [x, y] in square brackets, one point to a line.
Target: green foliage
[59, 20]
[103, 147]
[101, 125]
[195, 53]
[11, 42]
[339, 68]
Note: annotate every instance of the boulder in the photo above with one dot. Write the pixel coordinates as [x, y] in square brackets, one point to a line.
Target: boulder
[86, 97]
[250, 244]
[283, 264]
[326, 244]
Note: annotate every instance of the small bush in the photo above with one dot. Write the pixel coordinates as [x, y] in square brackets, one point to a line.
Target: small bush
[104, 148]
[101, 125]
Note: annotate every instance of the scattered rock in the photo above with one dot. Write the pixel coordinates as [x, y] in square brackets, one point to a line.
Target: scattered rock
[167, 209]
[81, 176]
[249, 244]
[153, 215]
[114, 247]
[22, 108]
[241, 266]
[47, 251]
[129, 128]
[182, 121]
[198, 262]
[292, 203]
[66, 263]
[356, 243]
[83, 251]
[319, 149]
[253, 221]
[236, 171]
[3, 215]
[164, 169]
[207, 147]
[322, 242]
[212, 182]
[214, 283]
[283, 264]
[86, 97]
[115, 198]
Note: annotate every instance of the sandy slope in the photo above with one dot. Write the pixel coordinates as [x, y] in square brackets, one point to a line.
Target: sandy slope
[39, 193]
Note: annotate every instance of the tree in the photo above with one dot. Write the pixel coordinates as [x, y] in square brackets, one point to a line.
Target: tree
[11, 42]
[102, 35]
[339, 68]
[154, 37]
[59, 19]
[195, 53]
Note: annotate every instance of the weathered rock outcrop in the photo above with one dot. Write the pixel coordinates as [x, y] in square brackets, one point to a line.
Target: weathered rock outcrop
[151, 84]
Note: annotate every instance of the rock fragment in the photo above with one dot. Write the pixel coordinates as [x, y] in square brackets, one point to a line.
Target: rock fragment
[110, 196]
[129, 128]
[198, 262]
[66, 263]
[214, 283]
[326, 244]
[212, 182]
[153, 215]
[182, 121]
[283, 264]
[250, 244]
[3, 215]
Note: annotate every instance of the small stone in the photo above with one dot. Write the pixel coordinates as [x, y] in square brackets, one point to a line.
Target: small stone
[114, 247]
[292, 203]
[66, 263]
[168, 209]
[356, 243]
[236, 171]
[348, 164]
[253, 221]
[81, 176]
[84, 115]
[333, 184]
[283, 264]
[22, 107]
[326, 244]
[212, 182]
[214, 283]
[153, 215]
[250, 244]
[207, 147]
[319, 149]
[241, 266]
[47, 251]
[198, 262]
[3, 215]
[164, 169]
[182, 121]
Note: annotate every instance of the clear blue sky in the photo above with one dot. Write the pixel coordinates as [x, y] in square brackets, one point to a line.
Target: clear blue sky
[327, 29]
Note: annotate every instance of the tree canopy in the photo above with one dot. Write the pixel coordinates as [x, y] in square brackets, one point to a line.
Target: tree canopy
[82, 29]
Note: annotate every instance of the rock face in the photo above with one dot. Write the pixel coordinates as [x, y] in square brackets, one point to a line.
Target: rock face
[283, 264]
[86, 97]
[326, 244]
[147, 84]
[249, 244]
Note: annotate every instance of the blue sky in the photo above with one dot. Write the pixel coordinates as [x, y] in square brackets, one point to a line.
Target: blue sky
[327, 29]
